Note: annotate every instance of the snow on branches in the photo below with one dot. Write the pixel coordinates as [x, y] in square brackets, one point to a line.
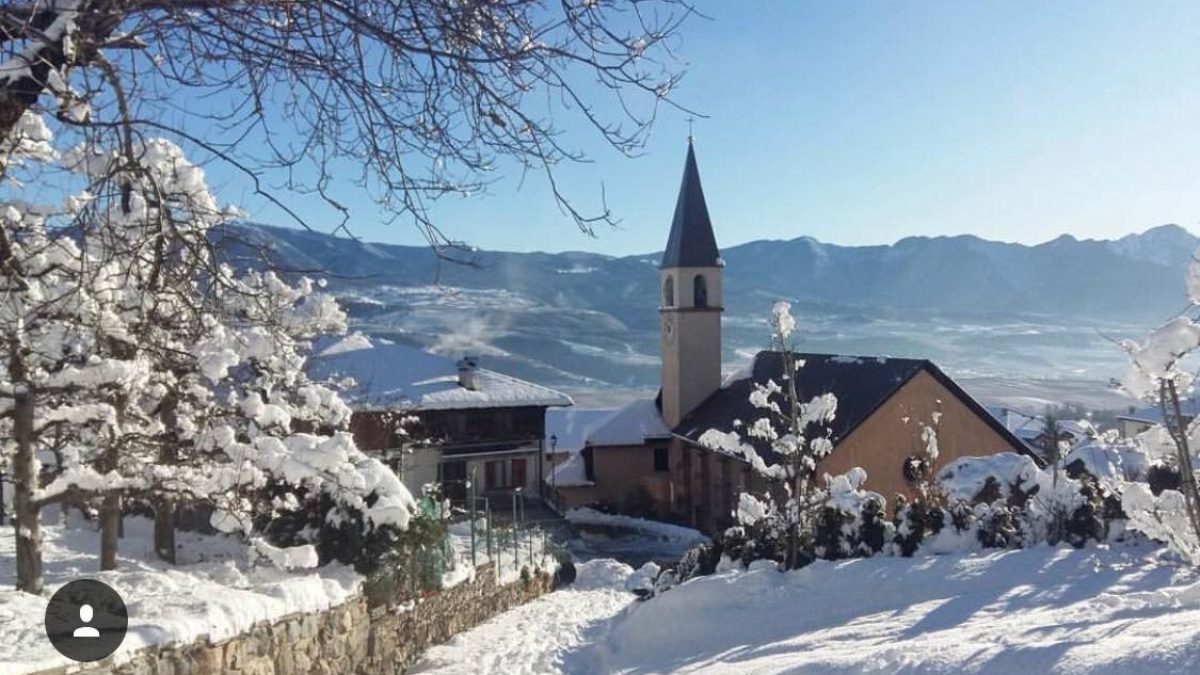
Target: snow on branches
[146, 367]
[795, 433]
[1155, 373]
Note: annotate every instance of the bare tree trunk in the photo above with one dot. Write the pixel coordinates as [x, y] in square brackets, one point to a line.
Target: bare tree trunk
[1187, 472]
[164, 529]
[164, 505]
[110, 530]
[110, 508]
[27, 518]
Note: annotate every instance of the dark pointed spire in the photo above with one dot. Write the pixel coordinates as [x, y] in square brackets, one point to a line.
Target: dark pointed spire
[691, 243]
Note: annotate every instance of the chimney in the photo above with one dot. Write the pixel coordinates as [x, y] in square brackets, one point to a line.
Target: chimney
[466, 372]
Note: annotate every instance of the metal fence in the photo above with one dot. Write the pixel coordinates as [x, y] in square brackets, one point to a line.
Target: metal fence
[503, 538]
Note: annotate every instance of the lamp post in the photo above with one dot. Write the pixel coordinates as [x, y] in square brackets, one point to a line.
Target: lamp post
[553, 478]
[515, 532]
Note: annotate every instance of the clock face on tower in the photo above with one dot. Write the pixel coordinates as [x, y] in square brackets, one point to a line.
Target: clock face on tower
[669, 328]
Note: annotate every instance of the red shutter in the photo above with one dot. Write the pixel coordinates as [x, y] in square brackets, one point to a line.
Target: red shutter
[518, 473]
[489, 476]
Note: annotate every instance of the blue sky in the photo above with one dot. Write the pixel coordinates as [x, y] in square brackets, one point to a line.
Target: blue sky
[865, 122]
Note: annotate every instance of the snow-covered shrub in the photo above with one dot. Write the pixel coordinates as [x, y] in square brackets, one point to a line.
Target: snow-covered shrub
[642, 582]
[914, 522]
[759, 535]
[1089, 520]
[1006, 476]
[1163, 477]
[1163, 518]
[399, 564]
[851, 523]
[998, 525]
[700, 560]
[1018, 503]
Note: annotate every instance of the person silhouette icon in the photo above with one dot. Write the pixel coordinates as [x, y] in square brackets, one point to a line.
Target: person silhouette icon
[86, 620]
[85, 615]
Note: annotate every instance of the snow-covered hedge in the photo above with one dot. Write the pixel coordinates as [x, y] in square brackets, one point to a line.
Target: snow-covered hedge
[996, 501]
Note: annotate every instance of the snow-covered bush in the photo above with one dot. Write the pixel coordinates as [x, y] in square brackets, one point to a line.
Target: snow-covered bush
[852, 522]
[914, 522]
[1163, 517]
[399, 564]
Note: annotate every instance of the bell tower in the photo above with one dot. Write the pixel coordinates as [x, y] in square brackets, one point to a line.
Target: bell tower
[690, 302]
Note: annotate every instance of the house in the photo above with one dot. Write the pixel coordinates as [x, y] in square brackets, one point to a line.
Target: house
[647, 457]
[1137, 421]
[1032, 429]
[569, 470]
[605, 461]
[438, 421]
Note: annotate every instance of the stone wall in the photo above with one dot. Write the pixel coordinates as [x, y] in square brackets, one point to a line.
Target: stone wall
[350, 638]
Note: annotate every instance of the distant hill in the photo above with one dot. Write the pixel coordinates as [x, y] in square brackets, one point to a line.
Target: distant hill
[589, 320]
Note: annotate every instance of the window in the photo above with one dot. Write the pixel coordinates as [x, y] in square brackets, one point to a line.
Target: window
[700, 291]
[662, 459]
[504, 474]
[669, 292]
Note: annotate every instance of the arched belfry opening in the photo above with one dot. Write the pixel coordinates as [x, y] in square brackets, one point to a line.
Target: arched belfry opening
[669, 292]
[700, 291]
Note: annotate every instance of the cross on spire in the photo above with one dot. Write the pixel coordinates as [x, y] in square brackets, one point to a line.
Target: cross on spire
[689, 121]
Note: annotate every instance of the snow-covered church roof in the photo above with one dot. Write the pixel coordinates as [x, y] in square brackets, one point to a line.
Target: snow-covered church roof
[395, 376]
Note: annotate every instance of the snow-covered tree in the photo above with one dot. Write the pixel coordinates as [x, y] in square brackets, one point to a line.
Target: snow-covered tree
[797, 433]
[1156, 374]
[153, 369]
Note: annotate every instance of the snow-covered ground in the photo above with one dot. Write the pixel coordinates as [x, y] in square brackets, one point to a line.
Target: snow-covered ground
[543, 636]
[214, 592]
[1043, 610]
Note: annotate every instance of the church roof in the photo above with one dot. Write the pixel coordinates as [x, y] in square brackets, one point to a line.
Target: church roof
[691, 243]
[861, 384]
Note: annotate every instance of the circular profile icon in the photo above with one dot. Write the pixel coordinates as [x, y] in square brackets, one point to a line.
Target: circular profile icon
[86, 620]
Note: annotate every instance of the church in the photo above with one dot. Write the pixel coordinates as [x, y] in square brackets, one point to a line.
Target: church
[646, 458]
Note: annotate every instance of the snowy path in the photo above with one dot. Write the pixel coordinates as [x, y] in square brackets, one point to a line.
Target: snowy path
[543, 636]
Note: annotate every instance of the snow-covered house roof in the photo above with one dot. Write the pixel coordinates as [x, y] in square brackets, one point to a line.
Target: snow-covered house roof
[395, 376]
[571, 426]
[633, 424]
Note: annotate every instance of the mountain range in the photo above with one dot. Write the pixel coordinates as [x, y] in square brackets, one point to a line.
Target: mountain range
[588, 321]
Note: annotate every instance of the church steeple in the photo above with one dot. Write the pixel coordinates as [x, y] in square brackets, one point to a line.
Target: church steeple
[691, 243]
[691, 302]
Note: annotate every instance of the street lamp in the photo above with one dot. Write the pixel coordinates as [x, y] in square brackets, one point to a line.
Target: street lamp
[553, 479]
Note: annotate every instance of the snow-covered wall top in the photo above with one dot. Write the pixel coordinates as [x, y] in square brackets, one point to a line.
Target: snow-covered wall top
[395, 376]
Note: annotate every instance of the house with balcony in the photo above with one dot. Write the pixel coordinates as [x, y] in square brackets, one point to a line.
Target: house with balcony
[440, 421]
